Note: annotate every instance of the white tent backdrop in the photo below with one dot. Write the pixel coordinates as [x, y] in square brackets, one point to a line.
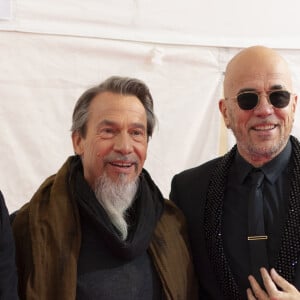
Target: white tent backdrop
[52, 51]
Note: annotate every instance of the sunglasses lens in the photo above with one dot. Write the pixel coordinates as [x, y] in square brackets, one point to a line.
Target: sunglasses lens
[247, 101]
[280, 99]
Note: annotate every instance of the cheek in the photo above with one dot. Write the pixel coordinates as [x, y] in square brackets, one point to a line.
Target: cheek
[141, 151]
[233, 119]
[102, 148]
[286, 117]
[241, 118]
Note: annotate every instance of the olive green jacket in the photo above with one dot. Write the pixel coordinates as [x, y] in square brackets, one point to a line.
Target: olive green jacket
[48, 236]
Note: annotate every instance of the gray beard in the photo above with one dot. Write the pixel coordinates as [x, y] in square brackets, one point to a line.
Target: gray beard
[116, 197]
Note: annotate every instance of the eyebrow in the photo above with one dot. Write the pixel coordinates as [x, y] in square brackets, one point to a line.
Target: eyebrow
[273, 87]
[276, 87]
[105, 123]
[112, 123]
[246, 90]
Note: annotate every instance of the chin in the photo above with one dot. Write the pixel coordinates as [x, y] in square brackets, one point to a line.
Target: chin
[122, 178]
[268, 150]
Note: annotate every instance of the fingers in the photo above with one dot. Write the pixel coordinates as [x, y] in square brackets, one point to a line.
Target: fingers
[250, 295]
[271, 282]
[256, 290]
[281, 282]
[268, 282]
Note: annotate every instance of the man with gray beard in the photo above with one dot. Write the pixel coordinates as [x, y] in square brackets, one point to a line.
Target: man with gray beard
[100, 228]
[116, 198]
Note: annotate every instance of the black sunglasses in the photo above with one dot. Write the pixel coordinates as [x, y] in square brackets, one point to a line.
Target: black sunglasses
[249, 100]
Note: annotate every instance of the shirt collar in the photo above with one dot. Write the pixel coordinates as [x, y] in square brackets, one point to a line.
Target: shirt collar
[274, 168]
[271, 170]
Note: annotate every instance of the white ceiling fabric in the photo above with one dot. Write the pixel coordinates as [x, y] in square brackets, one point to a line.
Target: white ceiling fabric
[232, 23]
[51, 51]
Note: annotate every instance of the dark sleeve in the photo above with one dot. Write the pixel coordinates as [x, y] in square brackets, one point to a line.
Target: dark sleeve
[188, 192]
[8, 273]
[173, 193]
[188, 188]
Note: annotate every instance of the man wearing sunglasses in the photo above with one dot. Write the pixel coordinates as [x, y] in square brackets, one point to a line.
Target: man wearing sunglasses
[231, 263]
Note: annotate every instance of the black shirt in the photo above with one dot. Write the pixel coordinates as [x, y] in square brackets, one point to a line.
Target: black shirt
[276, 187]
[102, 275]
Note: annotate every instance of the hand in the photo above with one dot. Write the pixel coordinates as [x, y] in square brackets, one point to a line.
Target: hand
[271, 281]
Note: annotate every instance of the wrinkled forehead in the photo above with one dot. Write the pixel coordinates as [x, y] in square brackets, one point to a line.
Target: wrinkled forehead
[258, 82]
[261, 76]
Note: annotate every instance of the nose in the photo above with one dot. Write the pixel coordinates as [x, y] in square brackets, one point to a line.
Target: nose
[123, 144]
[264, 107]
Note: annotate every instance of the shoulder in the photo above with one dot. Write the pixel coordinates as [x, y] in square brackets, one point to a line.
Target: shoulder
[172, 212]
[203, 169]
[20, 223]
[189, 187]
[5, 227]
[195, 177]
[295, 142]
[1, 198]
[172, 221]
[8, 274]
[172, 224]
[4, 216]
[2, 205]
[20, 218]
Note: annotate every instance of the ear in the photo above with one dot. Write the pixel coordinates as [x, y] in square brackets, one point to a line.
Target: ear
[224, 112]
[77, 143]
[295, 103]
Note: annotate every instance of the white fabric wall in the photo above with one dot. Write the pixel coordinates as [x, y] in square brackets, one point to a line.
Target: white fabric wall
[51, 51]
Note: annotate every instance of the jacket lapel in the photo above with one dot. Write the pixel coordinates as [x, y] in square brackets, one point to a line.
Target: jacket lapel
[290, 245]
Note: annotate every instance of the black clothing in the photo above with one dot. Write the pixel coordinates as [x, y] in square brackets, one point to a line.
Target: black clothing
[48, 235]
[8, 271]
[200, 192]
[235, 212]
[120, 278]
[124, 268]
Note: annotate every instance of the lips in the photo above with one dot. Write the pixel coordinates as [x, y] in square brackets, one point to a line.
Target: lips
[264, 127]
[121, 164]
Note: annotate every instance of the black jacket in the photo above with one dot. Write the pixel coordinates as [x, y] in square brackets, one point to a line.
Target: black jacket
[199, 193]
[8, 272]
[188, 188]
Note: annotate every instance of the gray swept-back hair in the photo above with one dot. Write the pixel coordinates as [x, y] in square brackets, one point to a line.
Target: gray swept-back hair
[118, 85]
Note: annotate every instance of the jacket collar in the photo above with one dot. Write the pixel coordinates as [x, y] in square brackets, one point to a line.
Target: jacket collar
[289, 250]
